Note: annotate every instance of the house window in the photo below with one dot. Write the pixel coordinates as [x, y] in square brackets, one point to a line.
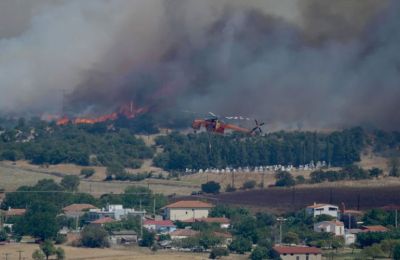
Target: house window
[297, 257]
[186, 212]
[307, 257]
[332, 209]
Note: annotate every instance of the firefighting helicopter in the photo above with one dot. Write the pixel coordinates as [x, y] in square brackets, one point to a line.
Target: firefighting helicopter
[213, 124]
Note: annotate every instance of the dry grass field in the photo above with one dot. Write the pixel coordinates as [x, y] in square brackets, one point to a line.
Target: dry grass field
[13, 175]
[74, 253]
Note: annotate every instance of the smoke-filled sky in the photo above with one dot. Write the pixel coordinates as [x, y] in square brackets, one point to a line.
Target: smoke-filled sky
[288, 62]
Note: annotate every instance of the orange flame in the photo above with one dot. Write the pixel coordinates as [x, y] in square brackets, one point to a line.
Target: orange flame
[128, 110]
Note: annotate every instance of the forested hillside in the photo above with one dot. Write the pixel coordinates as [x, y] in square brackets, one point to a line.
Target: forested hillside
[110, 144]
[199, 151]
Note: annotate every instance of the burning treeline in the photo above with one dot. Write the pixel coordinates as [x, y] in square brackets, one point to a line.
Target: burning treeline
[128, 111]
[303, 62]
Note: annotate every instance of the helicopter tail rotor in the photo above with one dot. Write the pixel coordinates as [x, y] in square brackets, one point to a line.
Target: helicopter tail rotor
[257, 129]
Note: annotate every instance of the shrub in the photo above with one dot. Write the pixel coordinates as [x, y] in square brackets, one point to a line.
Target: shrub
[259, 253]
[230, 188]
[94, 236]
[210, 187]
[284, 178]
[217, 252]
[249, 184]
[240, 245]
[87, 172]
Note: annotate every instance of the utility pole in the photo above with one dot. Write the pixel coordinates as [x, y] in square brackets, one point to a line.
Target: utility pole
[280, 221]
[233, 179]
[262, 178]
[19, 254]
[395, 218]
[154, 207]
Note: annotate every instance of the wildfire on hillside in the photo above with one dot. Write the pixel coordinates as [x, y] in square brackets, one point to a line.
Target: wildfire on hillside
[128, 110]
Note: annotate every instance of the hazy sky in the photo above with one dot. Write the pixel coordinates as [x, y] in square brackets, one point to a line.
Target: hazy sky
[320, 63]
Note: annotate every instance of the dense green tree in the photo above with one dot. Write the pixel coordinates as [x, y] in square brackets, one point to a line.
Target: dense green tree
[373, 251]
[60, 253]
[94, 236]
[3, 235]
[70, 182]
[211, 187]
[396, 252]
[38, 255]
[147, 239]
[394, 165]
[259, 253]
[284, 178]
[240, 245]
[48, 248]
[290, 238]
[39, 221]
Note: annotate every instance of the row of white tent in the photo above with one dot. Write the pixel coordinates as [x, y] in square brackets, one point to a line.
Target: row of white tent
[267, 168]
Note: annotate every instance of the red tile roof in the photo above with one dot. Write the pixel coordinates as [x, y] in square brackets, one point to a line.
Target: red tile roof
[78, 207]
[214, 220]
[163, 223]
[376, 228]
[103, 220]
[222, 234]
[297, 250]
[189, 204]
[184, 233]
[15, 212]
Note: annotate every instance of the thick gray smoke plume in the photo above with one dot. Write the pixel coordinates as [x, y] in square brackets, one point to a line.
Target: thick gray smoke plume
[291, 63]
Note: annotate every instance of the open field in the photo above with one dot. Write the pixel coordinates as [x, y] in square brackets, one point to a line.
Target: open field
[15, 174]
[290, 199]
[74, 253]
[12, 176]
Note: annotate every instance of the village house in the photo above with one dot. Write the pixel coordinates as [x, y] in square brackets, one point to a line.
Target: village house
[77, 210]
[123, 237]
[116, 212]
[159, 226]
[298, 252]
[187, 209]
[5, 215]
[102, 221]
[335, 227]
[322, 209]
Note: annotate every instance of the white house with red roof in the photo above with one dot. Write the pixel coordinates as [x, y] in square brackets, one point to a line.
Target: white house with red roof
[187, 209]
[298, 252]
[335, 227]
[159, 226]
[323, 209]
